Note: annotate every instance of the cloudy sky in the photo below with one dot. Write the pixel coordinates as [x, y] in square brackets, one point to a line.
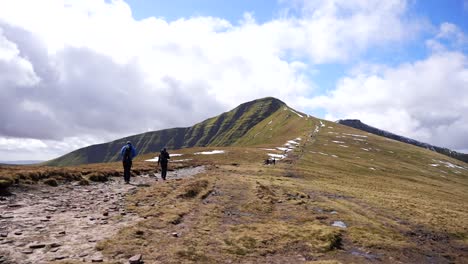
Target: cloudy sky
[80, 72]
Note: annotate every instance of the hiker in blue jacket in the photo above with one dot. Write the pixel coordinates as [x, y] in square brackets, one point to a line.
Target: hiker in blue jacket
[128, 152]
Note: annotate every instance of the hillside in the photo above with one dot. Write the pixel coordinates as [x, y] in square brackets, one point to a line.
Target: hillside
[364, 127]
[336, 195]
[236, 127]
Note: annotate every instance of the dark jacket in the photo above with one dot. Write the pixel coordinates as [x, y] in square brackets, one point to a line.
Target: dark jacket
[163, 157]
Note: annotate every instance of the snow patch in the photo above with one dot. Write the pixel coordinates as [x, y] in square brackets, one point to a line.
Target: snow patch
[298, 138]
[322, 124]
[335, 156]
[354, 135]
[271, 121]
[293, 142]
[269, 149]
[182, 160]
[370, 168]
[344, 146]
[337, 142]
[176, 155]
[210, 152]
[278, 156]
[340, 224]
[365, 149]
[155, 159]
[301, 116]
[450, 165]
[282, 149]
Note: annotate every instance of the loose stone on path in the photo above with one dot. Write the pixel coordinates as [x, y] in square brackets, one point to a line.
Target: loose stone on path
[135, 259]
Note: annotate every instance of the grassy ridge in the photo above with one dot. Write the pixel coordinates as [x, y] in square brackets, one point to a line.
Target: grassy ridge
[223, 130]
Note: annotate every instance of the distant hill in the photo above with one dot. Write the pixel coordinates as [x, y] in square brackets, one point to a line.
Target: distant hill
[240, 126]
[21, 162]
[355, 123]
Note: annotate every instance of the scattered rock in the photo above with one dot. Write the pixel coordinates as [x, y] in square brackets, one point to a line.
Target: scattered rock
[321, 217]
[175, 234]
[27, 251]
[37, 245]
[60, 257]
[135, 259]
[6, 242]
[6, 216]
[20, 244]
[18, 233]
[97, 259]
[4, 234]
[55, 245]
[62, 232]
[339, 224]
[105, 213]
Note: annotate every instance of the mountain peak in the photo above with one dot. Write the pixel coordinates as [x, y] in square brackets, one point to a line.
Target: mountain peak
[223, 130]
[266, 100]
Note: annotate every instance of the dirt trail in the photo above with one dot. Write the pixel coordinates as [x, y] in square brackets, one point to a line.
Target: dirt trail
[39, 224]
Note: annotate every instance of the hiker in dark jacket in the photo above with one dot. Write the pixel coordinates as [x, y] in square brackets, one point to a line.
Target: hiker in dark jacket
[163, 159]
[128, 152]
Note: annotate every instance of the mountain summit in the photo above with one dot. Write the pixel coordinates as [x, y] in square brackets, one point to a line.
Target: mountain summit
[227, 129]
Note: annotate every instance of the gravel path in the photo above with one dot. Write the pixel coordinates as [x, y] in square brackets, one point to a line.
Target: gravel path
[41, 223]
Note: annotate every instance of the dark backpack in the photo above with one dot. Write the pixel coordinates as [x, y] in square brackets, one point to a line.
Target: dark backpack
[163, 157]
[128, 153]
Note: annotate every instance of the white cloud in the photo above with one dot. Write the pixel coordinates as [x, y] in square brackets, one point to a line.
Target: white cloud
[336, 30]
[15, 69]
[79, 68]
[448, 37]
[426, 100]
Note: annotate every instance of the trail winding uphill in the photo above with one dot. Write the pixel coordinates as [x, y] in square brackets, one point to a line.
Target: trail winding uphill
[42, 223]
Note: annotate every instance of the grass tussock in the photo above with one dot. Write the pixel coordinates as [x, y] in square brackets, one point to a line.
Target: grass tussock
[51, 182]
[192, 189]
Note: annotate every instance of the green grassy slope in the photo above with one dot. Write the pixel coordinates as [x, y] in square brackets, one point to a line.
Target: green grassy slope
[223, 130]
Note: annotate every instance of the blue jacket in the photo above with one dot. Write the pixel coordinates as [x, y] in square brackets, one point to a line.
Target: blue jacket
[133, 151]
